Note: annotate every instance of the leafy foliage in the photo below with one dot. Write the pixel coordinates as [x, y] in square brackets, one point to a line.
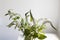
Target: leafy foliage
[29, 31]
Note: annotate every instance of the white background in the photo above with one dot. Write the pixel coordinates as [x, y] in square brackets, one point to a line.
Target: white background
[40, 9]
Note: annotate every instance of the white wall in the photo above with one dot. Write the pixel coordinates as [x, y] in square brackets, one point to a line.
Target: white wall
[59, 21]
[40, 9]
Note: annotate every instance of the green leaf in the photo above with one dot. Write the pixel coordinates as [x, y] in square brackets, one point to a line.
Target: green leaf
[33, 28]
[9, 12]
[6, 14]
[31, 17]
[40, 28]
[27, 38]
[10, 16]
[22, 22]
[15, 18]
[11, 24]
[41, 36]
[50, 24]
[35, 35]
[26, 32]
[26, 16]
